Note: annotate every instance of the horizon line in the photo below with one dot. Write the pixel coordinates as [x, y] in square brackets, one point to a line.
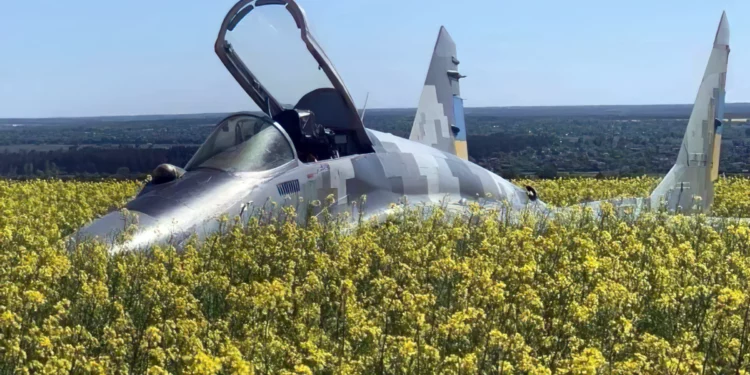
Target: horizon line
[369, 109]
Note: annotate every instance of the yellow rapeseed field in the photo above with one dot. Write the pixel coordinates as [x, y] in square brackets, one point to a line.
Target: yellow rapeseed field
[575, 295]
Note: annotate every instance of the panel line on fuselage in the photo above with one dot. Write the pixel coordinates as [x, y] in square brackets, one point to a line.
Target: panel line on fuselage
[444, 174]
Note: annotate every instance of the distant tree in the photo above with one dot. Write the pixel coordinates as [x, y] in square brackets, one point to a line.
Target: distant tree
[90, 167]
[509, 173]
[548, 171]
[123, 172]
[50, 169]
[638, 170]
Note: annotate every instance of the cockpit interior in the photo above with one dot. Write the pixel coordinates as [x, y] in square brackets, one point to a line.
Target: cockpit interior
[319, 126]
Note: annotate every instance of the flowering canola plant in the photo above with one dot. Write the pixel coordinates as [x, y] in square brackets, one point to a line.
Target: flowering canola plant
[577, 294]
[731, 194]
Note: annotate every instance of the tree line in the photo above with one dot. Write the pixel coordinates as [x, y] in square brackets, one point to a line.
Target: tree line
[91, 161]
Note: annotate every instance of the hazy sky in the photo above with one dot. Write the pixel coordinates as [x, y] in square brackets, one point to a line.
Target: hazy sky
[94, 57]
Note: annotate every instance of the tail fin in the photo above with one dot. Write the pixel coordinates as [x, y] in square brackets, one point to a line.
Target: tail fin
[440, 116]
[697, 164]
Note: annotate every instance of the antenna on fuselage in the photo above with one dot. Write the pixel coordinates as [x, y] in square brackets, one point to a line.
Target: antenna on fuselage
[364, 108]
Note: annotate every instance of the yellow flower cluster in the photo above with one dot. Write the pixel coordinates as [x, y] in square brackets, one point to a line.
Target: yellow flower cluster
[731, 194]
[569, 191]
[579, 294]
[732, 197]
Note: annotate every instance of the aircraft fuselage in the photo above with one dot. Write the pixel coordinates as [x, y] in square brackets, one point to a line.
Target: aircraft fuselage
[398, 169]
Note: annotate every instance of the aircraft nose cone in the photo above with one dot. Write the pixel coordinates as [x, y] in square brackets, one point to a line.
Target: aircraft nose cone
[125, 230]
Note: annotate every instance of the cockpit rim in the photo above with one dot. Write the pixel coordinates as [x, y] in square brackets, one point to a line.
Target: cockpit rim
[295, 161]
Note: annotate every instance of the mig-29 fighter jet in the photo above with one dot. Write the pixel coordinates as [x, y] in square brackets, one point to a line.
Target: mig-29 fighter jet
[310, 142]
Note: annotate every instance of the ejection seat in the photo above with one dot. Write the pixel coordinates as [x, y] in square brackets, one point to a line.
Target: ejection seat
[310, 139]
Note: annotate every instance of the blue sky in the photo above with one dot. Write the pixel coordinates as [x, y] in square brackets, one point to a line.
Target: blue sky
[93, 57]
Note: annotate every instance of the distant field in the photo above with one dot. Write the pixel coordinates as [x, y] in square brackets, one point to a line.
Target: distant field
[41, 148]
[54, 147]
[511, 141]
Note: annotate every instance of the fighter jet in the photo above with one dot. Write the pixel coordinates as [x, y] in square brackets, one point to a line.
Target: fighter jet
[318, 149]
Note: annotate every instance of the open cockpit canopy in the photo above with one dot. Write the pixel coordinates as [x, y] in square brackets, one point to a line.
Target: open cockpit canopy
[267, 47]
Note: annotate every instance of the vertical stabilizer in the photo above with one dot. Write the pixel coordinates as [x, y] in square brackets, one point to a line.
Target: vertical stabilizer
[439, 121]
[722, 37]
[697, 164]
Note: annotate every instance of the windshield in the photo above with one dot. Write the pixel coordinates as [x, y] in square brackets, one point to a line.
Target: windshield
[268, 42]
[243, 143]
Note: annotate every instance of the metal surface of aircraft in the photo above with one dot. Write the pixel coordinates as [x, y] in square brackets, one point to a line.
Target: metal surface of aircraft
[319, 146]
[688, 186]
